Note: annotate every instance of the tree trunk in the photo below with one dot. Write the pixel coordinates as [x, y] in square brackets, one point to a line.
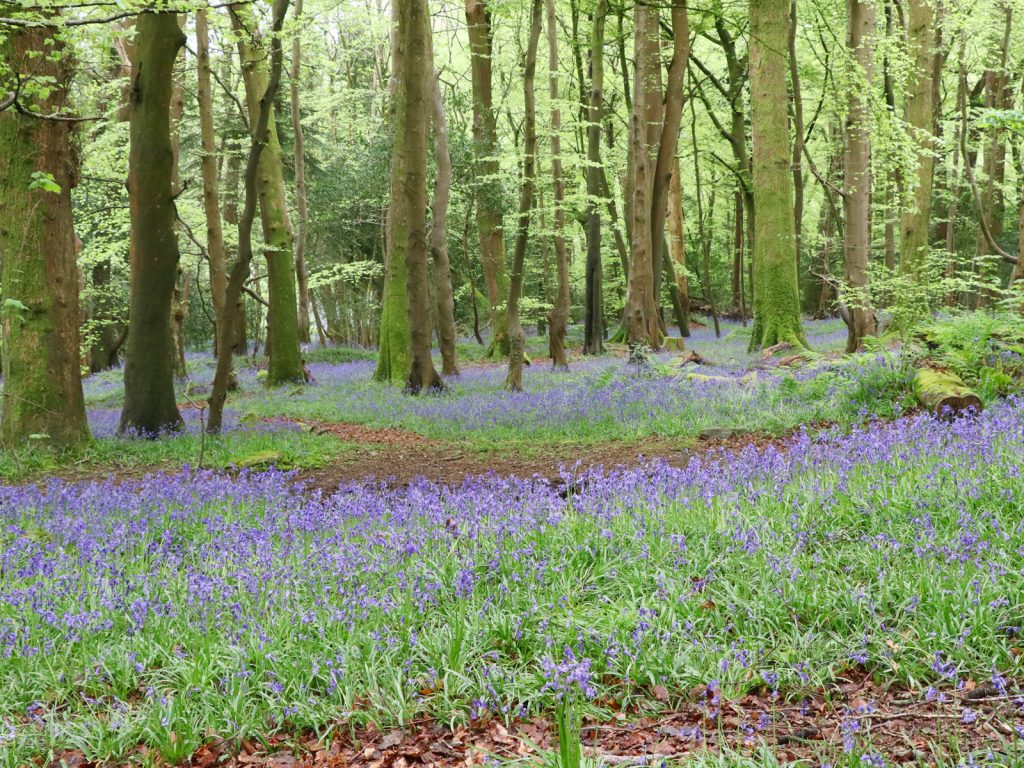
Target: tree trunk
[239, 341]
[150, 406]
[857, 197]
[677, 247]
[558, 319]
[302, 207]
[920, 119]
[641, 311]
[412, 129]
[447, 336]
[593, 322]
[776, 293]
[488, 170]
[285, 356]
[516, 337]
[394, 360]
[239, 272]
[211, 179]
[42, 385]
[796, 96]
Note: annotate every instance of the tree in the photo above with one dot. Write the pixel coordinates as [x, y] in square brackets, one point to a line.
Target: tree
[409, 180]
[215, 250]
[857, 192]
[488, 169]
[39, 308]
[920, 120]
[558, 319]
[593, 326]
[301, 204]
[150, 406]
[285, 356]
[516, 336]
[776, 294]
[439, 235]
[240, 268]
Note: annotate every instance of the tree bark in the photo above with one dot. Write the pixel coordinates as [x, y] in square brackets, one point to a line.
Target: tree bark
[796, 96]
[412, 129]
[240, 268]
[558, 319]
[285, 356]
[489, 197]
[920, 119]
[394, 347]
[447, 336]
[150, 407]
[42, 385]
[857, 184]
[211, 179]
[301, 204]
[677, 246]
[776, 293]
[516, 337]
[593, 323]
[641, 312]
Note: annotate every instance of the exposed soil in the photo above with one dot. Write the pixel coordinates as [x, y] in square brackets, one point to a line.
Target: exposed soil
[398, 456]
[902, 726]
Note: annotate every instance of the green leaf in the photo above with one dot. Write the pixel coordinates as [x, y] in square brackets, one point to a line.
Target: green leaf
[45, 182]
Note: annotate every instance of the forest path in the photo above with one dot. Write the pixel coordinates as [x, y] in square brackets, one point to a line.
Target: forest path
[398, 456]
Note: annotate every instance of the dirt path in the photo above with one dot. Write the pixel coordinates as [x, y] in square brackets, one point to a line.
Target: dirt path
[398, 456]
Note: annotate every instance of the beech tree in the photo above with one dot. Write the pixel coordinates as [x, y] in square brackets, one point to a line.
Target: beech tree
[150, 404]
[776, 295]
[39, 305]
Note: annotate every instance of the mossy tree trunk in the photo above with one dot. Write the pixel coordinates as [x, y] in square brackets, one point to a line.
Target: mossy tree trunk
[394, 340]
[920, 120]
[409, 181]
[284, 353]
[558, 319]
[857, 193]
[42, 385]
[516, 336]
[776, 293]
[593, 324]
[150, 406]
[488, 170]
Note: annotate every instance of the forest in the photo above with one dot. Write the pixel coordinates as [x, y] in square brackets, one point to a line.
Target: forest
[563, 383]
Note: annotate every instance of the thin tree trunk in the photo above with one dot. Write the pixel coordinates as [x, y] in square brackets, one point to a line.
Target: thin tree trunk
[283, 351]
[857, 184]
[42, 384]
[516, 337]
[558, 319]
[447, 336]
[489, 197]
[798, 136]
[240, 268]
[301, 203]
[677, 246]
[211, 179]
[593, 326]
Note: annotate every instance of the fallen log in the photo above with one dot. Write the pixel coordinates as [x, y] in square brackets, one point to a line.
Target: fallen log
[942, 392]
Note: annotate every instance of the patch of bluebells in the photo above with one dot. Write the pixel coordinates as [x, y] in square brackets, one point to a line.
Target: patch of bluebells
[504, 593]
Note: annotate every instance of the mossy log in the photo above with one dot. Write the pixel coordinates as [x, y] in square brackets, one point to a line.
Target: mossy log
[942, 391]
